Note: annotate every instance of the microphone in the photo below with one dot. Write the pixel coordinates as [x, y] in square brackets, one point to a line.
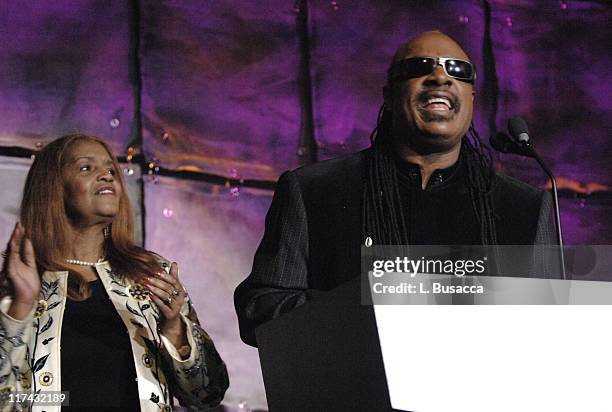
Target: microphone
[505, 144]
[518, 129]
[521, 144]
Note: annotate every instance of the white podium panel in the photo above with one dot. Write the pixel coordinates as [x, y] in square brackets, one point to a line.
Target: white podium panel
[484, 358]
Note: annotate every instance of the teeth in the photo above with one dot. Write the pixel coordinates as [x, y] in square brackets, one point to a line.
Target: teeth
[442, 100]
[105, 192]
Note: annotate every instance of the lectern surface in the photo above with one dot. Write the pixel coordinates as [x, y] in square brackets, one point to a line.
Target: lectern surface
[497, 358]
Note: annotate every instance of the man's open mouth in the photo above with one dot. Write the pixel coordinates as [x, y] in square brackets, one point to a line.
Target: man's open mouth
[440, 105]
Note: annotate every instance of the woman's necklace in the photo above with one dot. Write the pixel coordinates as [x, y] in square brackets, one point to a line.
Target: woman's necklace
[83, 262]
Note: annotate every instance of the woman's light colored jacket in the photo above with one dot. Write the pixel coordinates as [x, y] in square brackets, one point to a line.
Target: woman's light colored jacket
[30, 349]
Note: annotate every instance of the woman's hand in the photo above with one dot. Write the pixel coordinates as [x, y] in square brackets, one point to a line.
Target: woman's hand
[169, 295]
[20, 270]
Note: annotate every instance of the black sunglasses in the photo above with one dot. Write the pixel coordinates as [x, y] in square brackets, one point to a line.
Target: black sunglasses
[422, 66]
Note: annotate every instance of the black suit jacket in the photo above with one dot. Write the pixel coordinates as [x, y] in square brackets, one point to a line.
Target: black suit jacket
[312, 240]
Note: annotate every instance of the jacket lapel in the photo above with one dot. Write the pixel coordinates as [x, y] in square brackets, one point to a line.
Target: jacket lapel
[131, 300]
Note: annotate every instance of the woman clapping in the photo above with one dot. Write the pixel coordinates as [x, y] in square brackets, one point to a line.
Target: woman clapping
[85, 310]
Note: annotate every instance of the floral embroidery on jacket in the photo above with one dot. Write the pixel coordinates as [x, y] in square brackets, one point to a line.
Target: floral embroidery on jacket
[29, 350]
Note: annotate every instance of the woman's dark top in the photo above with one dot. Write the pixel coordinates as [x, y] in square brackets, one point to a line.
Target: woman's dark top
[97, 366]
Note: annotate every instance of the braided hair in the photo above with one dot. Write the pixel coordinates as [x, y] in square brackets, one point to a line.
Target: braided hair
[383, 212]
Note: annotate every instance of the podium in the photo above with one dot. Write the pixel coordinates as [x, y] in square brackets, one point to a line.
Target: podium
[546, 350]
[324, 356]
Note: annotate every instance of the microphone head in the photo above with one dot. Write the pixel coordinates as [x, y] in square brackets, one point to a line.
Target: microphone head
[501, 142]
[505, 144]
[518, 129]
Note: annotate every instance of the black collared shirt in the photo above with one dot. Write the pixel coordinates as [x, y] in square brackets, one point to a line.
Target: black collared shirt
[443, 213]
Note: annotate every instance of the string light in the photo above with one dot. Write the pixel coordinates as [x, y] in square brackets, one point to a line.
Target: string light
[563, 5]
[38, 146]
[152, 170]
[509, 21]
[114, 123]
[129, 170]
[235, 175]
[167, 212]
[464, 19]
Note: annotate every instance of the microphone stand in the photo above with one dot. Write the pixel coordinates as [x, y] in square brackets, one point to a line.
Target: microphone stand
[529, 148]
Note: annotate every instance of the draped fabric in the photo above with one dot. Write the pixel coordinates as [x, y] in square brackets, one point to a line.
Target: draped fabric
[213, 87]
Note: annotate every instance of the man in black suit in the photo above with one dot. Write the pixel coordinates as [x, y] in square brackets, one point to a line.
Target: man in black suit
[422, 182]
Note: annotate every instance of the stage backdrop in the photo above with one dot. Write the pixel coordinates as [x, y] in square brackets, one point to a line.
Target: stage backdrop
[216, 99]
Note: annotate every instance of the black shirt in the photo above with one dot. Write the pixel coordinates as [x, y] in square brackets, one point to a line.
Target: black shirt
[97, 366]
[442, 213]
